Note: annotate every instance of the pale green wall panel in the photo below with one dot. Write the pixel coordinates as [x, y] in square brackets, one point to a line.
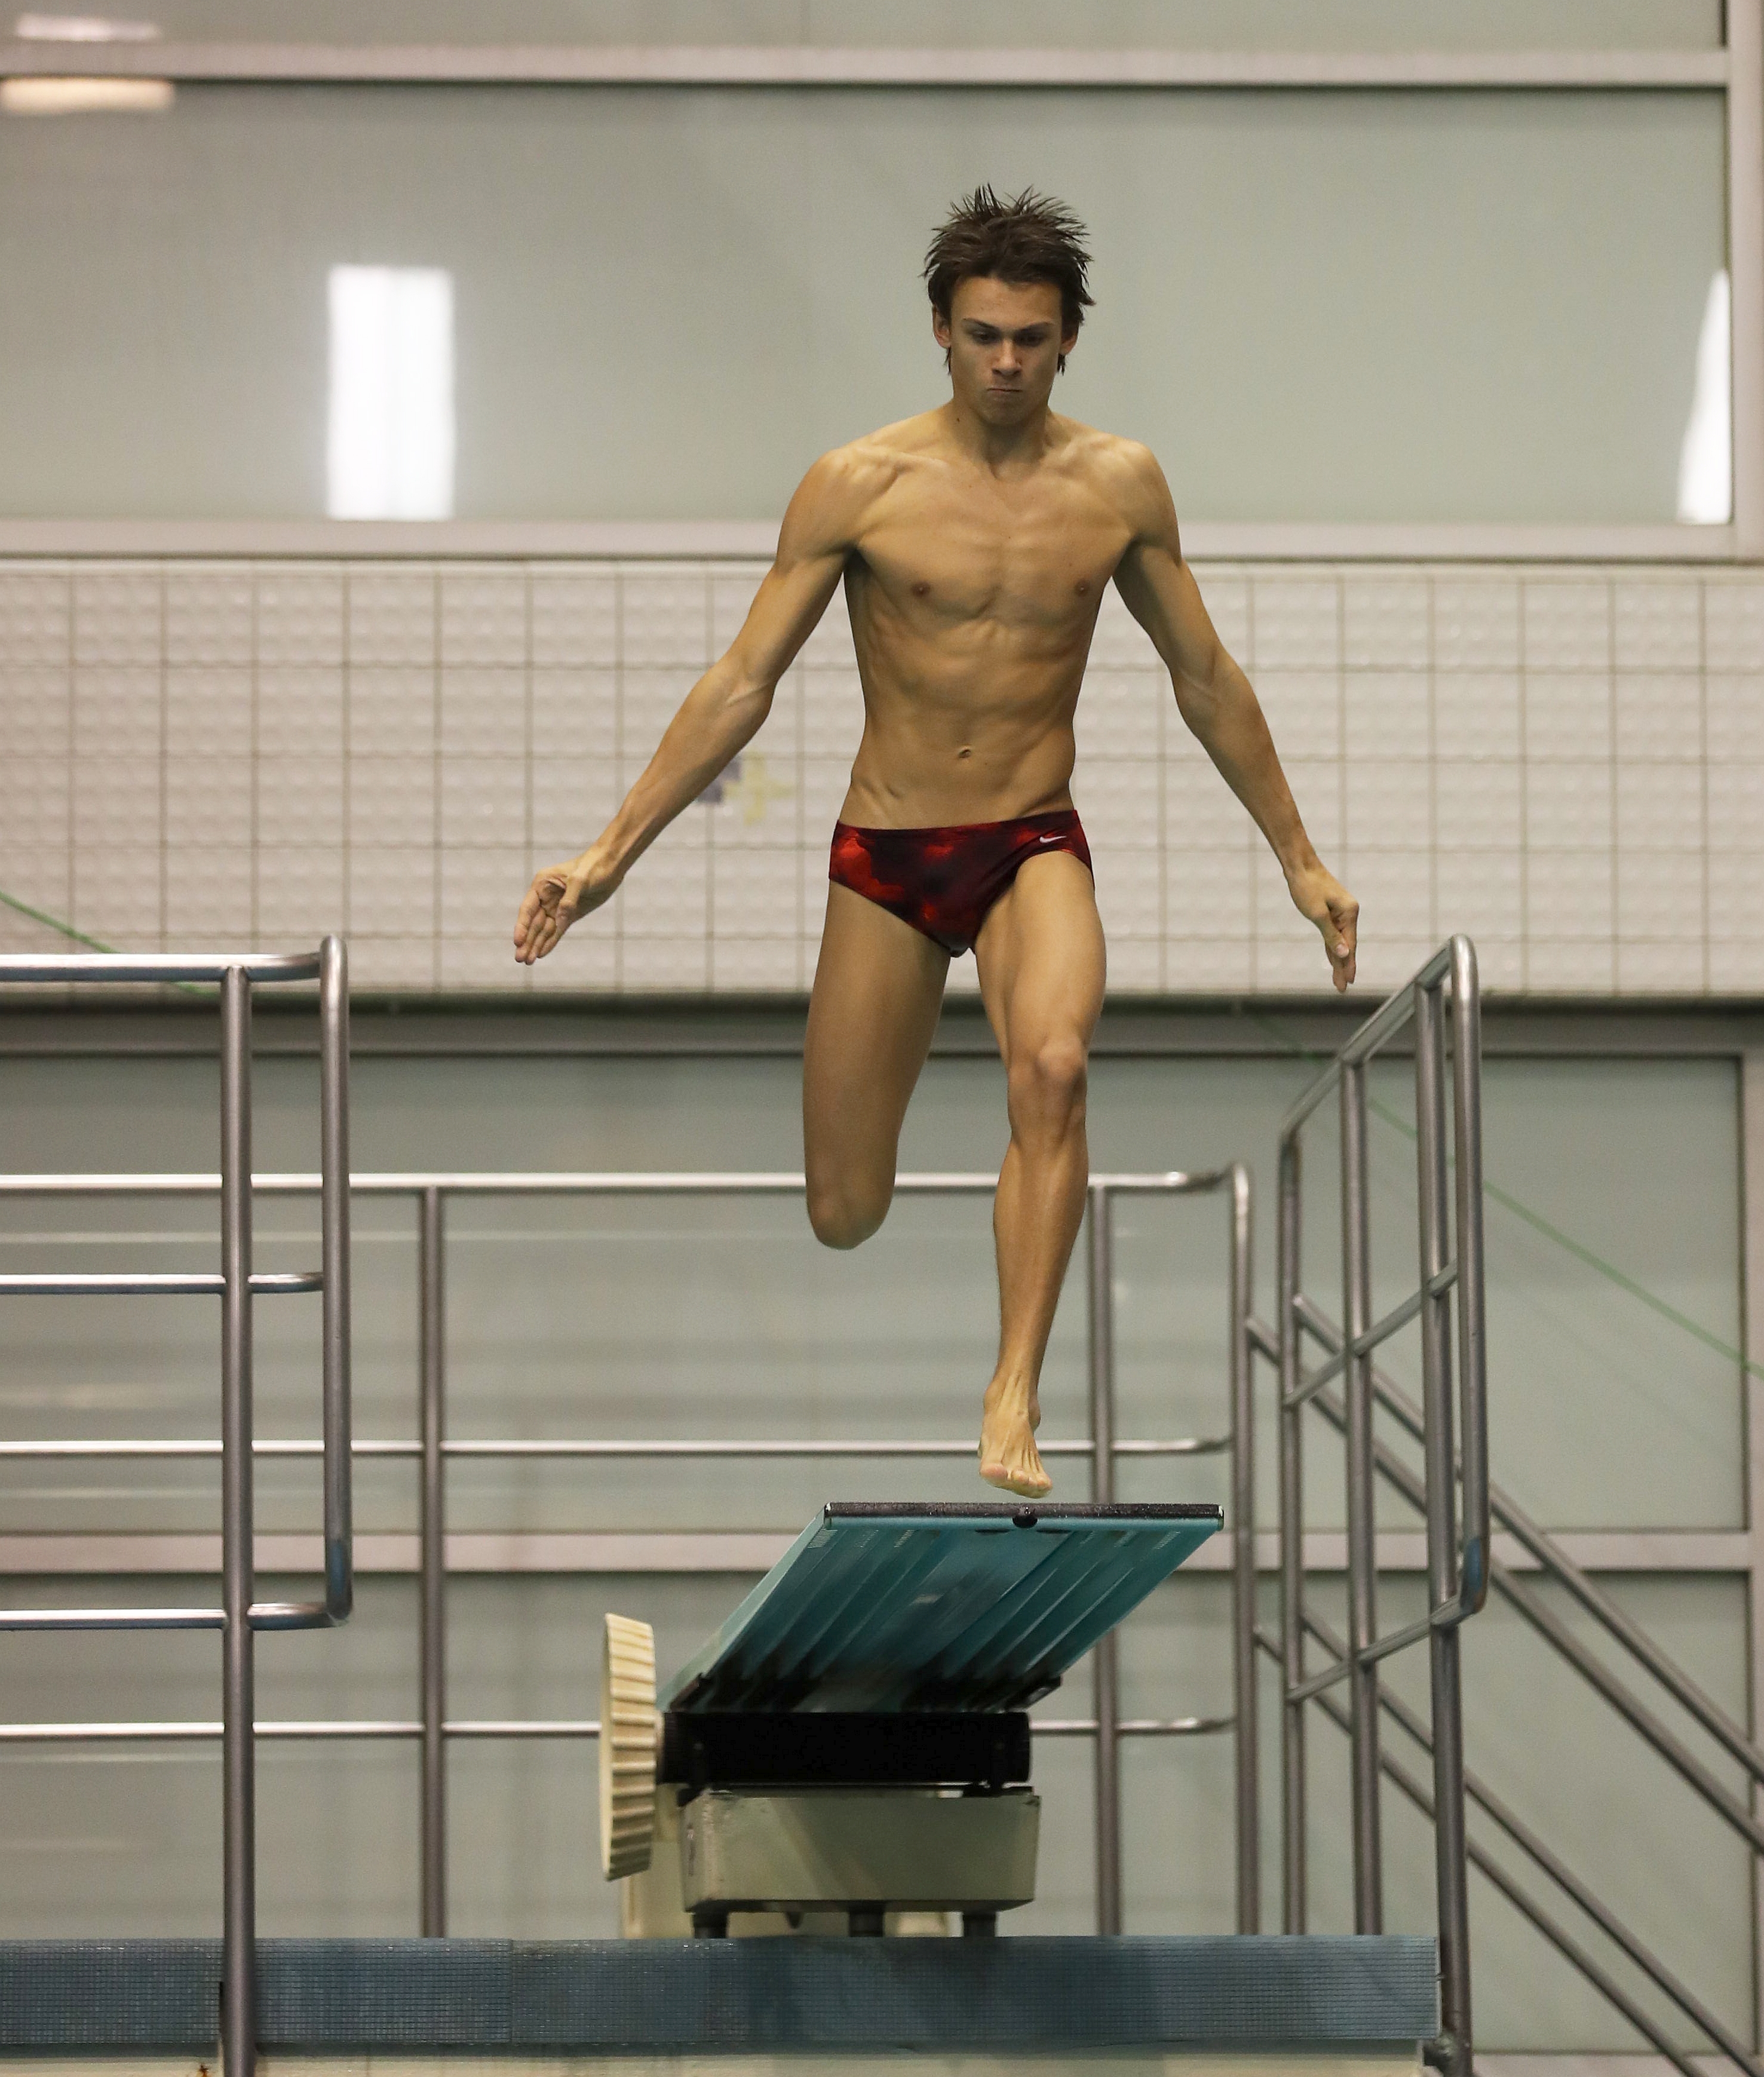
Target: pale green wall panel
[1319, 306]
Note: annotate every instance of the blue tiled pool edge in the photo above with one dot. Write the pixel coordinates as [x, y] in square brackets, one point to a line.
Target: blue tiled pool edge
[666, 1997]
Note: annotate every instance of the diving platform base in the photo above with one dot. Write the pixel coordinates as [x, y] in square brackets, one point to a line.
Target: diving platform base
[738, 2007]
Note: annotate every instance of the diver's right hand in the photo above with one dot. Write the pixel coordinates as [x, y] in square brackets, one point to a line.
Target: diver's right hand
[557, 897]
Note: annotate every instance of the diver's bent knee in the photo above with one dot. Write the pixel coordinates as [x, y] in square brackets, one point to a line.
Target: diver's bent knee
[843, 1218]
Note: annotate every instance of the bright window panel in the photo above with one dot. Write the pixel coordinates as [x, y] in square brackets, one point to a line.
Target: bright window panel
[389, 451]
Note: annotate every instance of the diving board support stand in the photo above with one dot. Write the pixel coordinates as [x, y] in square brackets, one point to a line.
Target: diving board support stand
[854, 1740]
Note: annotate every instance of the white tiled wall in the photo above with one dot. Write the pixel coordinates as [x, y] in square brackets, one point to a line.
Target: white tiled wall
[1569, 764]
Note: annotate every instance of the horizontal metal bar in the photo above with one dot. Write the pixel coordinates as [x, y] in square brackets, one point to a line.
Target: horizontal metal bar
[113, 1619]
[1136, 1727]
[1180, 1446]
[294, 1615]
[499, 1727]
[66, 966]
[151, 1283]
[393, 1552]
[107, 1733]
[810, 65]
[543, 1182]
[515, 1727]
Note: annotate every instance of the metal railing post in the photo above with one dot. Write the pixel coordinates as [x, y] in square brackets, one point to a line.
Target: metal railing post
[238, 2018]
[334, 1245]
[1294, 1879]
[1100, 1287]
[1472, 1336]
[433, 1583]
[1451, 1878]
[1243, 1665]
[1362, 1579]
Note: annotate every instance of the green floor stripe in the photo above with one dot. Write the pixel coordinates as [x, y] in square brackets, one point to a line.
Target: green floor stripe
[1539, 1224]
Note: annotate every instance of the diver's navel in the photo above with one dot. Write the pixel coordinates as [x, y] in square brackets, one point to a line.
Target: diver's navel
[966, 751]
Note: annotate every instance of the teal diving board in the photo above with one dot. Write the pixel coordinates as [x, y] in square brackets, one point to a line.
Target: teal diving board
[881, 1605]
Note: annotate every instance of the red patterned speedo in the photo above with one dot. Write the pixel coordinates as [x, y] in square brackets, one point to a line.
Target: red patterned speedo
[942, 882]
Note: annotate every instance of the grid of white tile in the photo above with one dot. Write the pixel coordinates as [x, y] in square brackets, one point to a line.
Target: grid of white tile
[1567, 763]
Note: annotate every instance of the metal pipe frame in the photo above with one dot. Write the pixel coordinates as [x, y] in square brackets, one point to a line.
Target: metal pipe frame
[238, 1790]
[432, 1363]
[240, 1615]
[1552, 1864]
[1562, 1640]
[1294, 1858]
[1105, 1662]
[1450, 1875]
[1247, 1340]
[1448, 1281]
[1243, 1666]
[120, 1732]
[1552, 1558]
[1362, 1523]
[1556, 1934]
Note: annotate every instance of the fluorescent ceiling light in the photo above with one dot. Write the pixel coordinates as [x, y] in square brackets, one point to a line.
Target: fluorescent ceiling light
[389, 448]
[1706, 458]
[84, 97]
[82, 29]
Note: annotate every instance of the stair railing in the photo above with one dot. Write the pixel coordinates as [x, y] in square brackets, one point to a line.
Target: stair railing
[1450, 1286]
[1486, 1507]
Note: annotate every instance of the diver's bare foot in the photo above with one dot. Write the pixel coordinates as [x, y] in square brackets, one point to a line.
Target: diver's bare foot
[1008, 1457]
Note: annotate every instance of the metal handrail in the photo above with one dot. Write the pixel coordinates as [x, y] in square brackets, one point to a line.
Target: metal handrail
[1570, 1950]
[240, 1615]
[1677, 1756]
[1566, 1646]
[1563, 1876]
[1449, 1291]
[1510, 1516]
[432, 1449]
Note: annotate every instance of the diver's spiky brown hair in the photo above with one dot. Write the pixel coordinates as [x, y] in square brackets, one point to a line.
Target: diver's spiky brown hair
[1028, 237]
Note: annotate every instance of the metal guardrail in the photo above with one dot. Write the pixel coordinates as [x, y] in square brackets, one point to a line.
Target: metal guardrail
[1460, 1573]
[432, 1449]
[1451, 1282]
[240, 1615]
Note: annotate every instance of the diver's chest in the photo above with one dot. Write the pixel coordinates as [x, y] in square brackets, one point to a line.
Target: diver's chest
[1042, 566]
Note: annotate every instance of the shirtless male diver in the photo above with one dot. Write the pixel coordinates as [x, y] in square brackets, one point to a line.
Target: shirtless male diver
[974, 542]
